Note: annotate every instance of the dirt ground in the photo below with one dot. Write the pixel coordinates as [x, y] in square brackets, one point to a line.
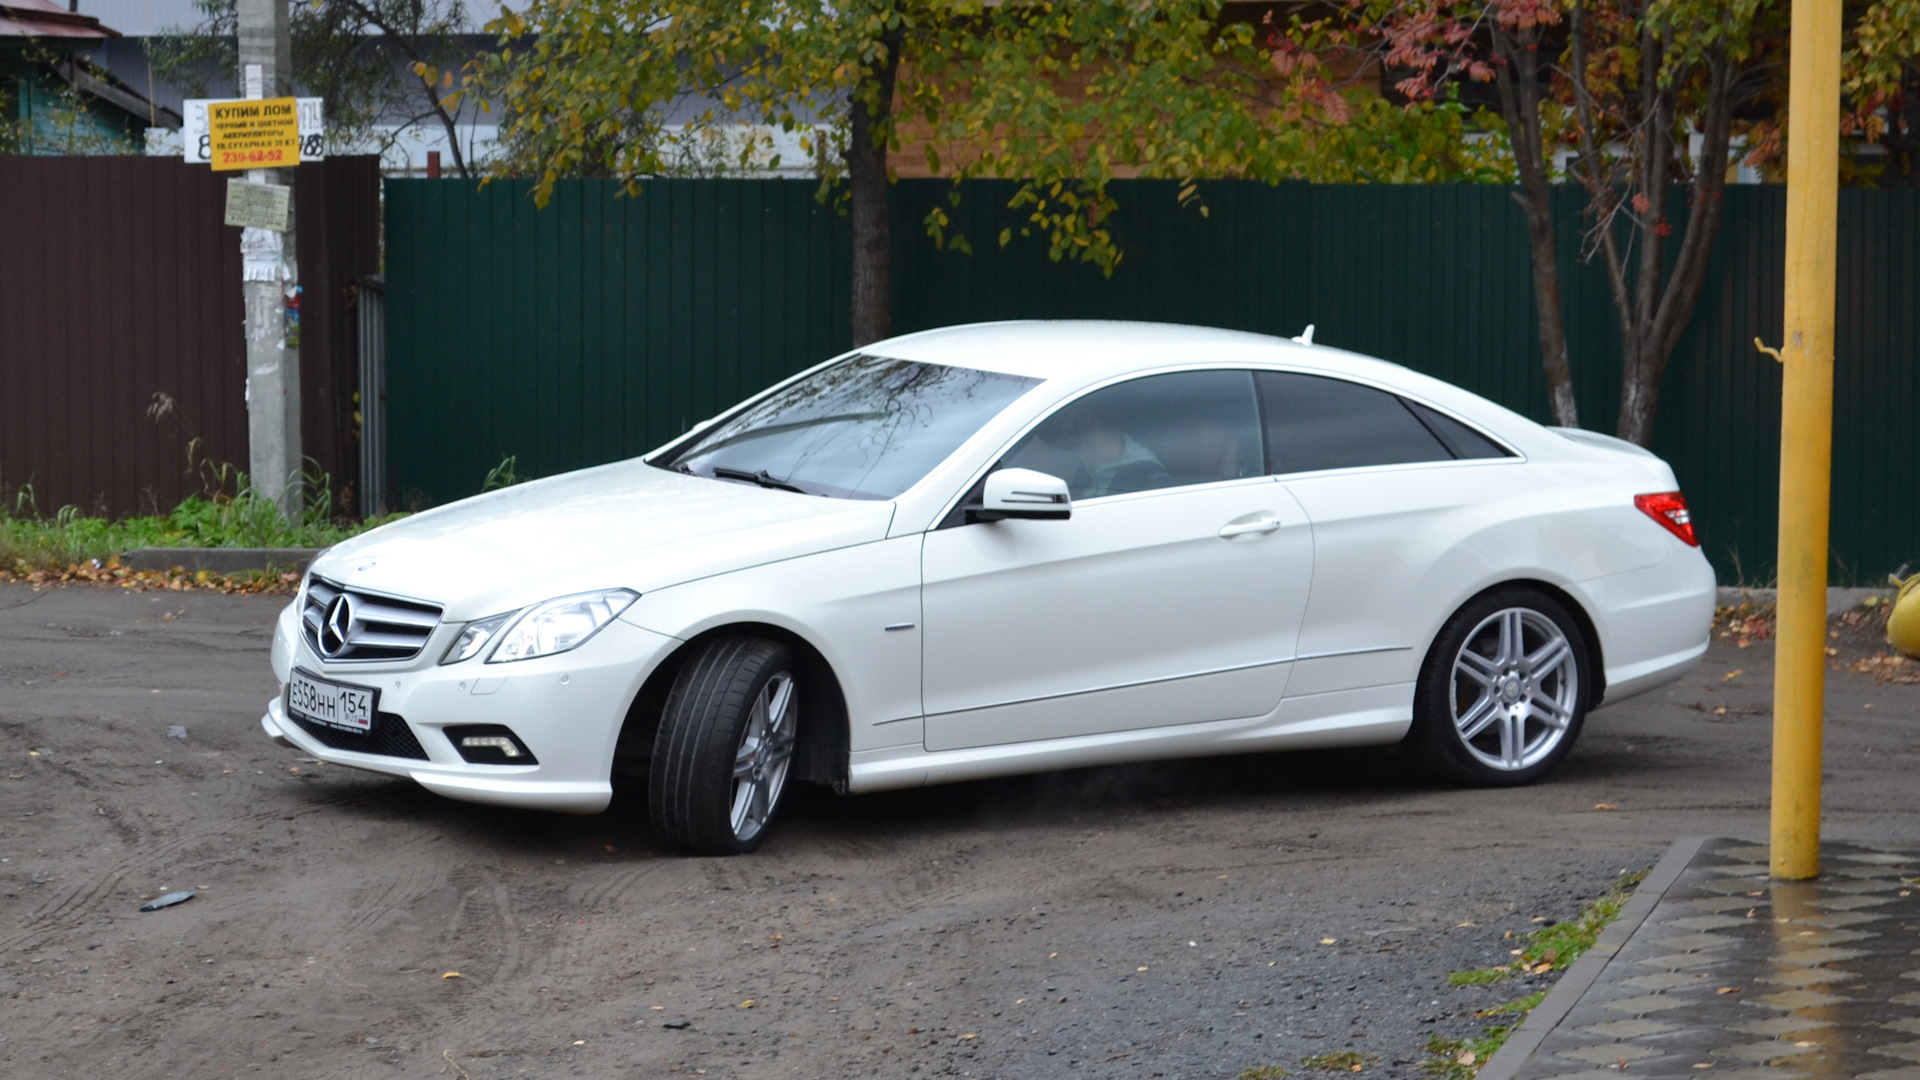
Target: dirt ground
[1181, 920]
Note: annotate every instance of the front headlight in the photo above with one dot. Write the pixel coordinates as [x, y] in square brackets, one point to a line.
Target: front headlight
[475, 637]
[559, 625]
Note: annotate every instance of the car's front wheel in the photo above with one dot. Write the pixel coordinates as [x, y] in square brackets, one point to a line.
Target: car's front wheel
[1503, 692]
[726, 742]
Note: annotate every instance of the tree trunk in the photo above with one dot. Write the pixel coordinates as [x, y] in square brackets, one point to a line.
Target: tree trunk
[869, 128]
[1518, 80]
[1665, 307]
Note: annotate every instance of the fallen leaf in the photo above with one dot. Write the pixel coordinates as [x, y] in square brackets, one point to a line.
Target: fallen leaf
[1142, 967]
[1750, 912]
[1356, 1068]
[747, 1004]
[1728, 990]
[1466, 924]
[1620, 1063]
[1329, 941]
[1805, 1042]
[1542, 968]
[970, 1036]
[579, 1042]
[1734, 674]
[1613, 806]
[451, 975]
[1466, 1057]
[657, 1008]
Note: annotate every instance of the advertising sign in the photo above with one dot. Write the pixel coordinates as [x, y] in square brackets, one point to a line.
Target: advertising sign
[255, 134]
[198, 140]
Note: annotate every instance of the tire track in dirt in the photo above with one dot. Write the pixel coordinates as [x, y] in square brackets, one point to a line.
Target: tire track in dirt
[68, 910]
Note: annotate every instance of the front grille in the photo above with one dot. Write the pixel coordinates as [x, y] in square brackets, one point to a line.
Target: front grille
[389, 737]
[346, 624]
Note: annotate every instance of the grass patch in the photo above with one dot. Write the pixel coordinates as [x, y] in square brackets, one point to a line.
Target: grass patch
[234, 515]
[1262, 1072]
[1556, 946]
[1340, 1061]
[1460, 1059]
[1518, 1006]
[1544, 950]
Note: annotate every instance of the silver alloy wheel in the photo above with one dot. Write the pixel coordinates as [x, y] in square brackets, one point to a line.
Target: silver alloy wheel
[1515, 688]
[766, 749]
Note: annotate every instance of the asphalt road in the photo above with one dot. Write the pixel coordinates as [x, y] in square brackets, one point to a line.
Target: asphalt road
[1179, 920]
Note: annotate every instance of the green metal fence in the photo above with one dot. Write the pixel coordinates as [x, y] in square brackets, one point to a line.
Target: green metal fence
[602, 326]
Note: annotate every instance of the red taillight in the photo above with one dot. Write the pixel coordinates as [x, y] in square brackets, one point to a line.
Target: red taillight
[1669, 508]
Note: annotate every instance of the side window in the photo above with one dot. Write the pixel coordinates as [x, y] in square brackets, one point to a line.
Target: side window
[1315, 422]
[1189, 427]
[1464, 441]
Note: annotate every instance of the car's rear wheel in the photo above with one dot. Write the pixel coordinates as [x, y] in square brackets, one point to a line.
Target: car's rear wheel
[1503, 692]
[725, 746]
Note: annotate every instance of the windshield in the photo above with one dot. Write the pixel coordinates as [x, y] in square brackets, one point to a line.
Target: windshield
[866, 428]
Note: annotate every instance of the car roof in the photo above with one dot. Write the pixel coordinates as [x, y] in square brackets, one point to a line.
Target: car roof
[1085, 350]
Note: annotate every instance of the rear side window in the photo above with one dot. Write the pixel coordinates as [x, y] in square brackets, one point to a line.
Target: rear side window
[1461, 439]
[1314, 423]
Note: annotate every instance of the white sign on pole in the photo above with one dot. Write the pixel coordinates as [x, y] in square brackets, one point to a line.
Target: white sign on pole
[198, 145]
[258, 206]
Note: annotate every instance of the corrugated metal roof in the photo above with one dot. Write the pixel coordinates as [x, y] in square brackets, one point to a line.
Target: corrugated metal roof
[42, 19]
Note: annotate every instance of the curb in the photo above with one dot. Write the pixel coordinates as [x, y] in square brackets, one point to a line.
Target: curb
[1506, 1062]
[219, 560]
[1839, 601]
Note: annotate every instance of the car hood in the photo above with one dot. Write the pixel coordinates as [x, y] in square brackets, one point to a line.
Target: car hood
[626, 524]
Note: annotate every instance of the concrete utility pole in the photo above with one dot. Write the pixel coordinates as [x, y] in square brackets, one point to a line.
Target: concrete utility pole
[1806, 436]
[271, 273]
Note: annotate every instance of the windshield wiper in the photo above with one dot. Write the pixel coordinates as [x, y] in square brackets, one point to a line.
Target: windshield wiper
[763, 478]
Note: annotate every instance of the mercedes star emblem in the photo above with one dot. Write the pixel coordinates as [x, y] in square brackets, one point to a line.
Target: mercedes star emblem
[335, 626]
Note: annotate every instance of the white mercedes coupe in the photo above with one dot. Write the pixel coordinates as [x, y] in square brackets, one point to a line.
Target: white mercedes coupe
[998, 549]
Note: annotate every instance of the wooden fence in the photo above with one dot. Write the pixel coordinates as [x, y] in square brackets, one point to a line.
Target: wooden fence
[120, 325]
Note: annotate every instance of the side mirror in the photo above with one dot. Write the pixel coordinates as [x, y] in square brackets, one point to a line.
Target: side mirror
[1022, 493]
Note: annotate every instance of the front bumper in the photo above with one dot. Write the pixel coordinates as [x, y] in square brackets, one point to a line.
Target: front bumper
[567, 709]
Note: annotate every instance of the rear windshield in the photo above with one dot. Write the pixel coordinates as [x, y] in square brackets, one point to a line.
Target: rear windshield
[866, 428]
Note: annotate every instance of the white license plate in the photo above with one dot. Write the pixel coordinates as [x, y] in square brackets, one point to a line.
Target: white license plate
[349, 708]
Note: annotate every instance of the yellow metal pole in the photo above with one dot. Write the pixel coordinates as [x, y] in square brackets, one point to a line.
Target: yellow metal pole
[1806, 435]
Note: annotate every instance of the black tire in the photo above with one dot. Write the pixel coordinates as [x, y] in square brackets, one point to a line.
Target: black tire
[1488, 715]
[695, 779]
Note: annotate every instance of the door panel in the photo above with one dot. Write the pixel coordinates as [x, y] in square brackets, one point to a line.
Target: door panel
[1048, 629]
[1381, 536]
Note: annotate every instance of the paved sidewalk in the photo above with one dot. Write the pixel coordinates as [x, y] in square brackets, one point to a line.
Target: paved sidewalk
[1717, 973]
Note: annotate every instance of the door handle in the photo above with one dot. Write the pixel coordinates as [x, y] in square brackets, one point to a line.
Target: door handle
[1247, 528]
